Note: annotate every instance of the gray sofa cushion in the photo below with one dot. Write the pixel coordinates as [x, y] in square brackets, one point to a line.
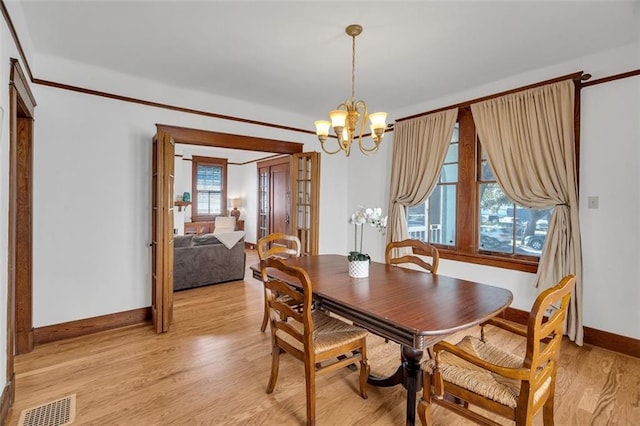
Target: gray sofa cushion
[207, 261]
[205, 240]
[182, 241]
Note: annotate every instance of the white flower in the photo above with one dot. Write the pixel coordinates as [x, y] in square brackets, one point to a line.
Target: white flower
[372, 216]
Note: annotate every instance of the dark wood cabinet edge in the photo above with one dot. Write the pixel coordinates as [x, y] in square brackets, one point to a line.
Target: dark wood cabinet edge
[71, 329]
[593, 337]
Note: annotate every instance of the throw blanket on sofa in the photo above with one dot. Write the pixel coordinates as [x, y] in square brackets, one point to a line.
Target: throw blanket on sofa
[229, 239]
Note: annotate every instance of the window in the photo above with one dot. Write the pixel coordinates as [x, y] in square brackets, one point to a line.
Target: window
[506, 227]
[434, 221]
[209, 187]
[469, 218]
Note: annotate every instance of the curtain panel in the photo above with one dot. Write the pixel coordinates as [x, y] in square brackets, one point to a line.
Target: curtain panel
[419, 148]
[529, 140]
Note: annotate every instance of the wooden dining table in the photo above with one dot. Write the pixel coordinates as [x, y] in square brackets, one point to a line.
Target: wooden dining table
[413, 308]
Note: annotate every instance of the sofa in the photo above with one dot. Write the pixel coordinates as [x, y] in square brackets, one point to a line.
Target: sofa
[200, 260]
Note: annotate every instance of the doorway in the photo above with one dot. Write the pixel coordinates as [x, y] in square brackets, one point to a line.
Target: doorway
[162, 272]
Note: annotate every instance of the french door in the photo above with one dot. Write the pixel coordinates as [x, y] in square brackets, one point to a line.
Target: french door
[162, 176]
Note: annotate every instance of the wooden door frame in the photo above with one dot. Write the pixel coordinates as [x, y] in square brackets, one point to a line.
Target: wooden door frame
[20, 229]
[189, 136]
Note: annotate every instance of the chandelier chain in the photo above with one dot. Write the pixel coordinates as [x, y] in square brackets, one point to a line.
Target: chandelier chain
[353, 68]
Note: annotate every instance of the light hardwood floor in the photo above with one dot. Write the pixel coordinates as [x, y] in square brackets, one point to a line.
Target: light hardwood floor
[213, 366]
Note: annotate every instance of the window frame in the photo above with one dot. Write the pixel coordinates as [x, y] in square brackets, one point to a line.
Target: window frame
[467, 244]
[209, 161]
[467, 231]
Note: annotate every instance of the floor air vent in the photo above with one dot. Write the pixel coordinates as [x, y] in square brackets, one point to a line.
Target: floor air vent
[60, 412]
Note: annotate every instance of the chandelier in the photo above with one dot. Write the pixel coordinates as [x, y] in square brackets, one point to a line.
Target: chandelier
[345, 118]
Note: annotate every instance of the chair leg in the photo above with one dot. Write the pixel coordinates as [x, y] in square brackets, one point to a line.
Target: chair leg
[424, 407]
[275, 365]
[265, 316]
[547, 409]
[310, 384]
[364, 372]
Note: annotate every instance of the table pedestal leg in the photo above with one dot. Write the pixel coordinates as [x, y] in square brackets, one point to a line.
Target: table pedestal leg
[413, 380]
[409, 375]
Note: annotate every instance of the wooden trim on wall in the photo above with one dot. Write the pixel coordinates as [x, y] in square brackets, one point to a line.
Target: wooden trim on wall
[611, 78]
[83, 327]
[189, 136]
[16, 39]
[598, 338]
[166, 106]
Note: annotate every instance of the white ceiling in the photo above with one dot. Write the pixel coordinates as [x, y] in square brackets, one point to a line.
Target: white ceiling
[296, 56]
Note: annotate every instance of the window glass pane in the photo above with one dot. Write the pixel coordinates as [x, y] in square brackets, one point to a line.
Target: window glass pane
[435, 220]
[417, 222]
[487, 172]
[449, 173]
[506, 227]
[456, 132]
[452, 154]
[442, 215]
[209, 178]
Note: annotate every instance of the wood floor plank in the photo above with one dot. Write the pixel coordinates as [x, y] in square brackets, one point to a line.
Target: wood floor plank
[213, 366]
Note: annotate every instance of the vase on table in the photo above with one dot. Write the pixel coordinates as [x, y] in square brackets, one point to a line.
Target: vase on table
[359, 268]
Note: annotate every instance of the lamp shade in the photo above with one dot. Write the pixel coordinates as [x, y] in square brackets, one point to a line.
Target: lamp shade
[338, 118]
[378, 120]
[236, 203]
[322, 127]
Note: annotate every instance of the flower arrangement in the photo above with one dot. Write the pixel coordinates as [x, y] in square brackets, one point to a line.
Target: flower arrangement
[372, 216]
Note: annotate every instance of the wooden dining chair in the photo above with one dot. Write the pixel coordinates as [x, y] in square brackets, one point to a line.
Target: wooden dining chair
[322, 342]
[417, 248]
[475, 372]
[278, 245]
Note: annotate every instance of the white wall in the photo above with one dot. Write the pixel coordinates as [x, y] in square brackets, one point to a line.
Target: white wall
[610, 156]
[610, 136]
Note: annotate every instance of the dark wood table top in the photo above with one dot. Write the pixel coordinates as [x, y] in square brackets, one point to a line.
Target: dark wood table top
[410, 307]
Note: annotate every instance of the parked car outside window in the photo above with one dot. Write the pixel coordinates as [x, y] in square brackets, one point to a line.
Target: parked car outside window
[536, 241]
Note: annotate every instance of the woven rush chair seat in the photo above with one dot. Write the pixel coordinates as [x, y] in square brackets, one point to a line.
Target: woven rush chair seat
[478, 380]
[328, 333]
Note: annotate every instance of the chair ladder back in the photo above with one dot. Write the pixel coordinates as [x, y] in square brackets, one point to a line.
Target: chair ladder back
[544, 335]
[396, 253]
[278, 244]
[277, 288]
[300, 311]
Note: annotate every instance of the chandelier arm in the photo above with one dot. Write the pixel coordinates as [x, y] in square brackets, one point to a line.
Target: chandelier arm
[369, 151]
[361, 106]
[340, 148]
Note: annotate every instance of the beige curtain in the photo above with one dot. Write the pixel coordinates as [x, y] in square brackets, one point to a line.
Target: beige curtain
[529, 140]
[419, 148]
